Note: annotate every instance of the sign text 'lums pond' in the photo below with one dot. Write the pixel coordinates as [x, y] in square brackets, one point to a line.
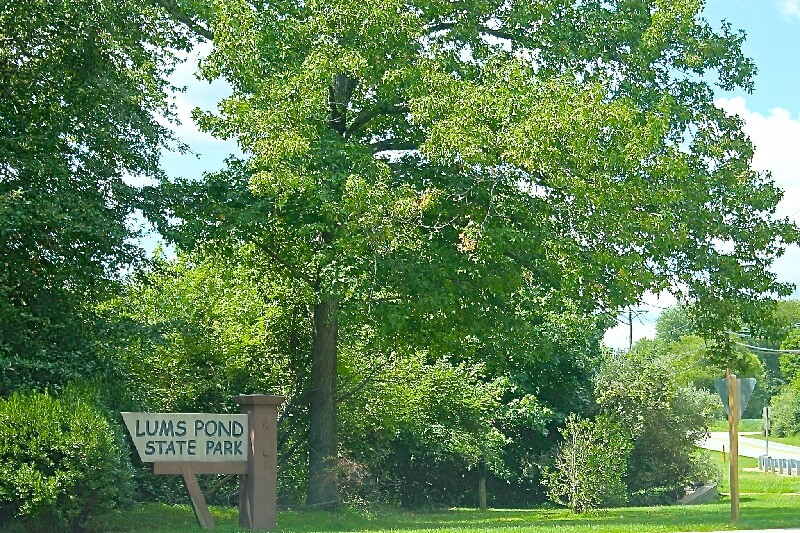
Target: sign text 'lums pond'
[188, 436]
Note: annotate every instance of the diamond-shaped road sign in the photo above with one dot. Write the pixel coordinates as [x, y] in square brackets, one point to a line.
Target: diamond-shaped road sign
[746, 386]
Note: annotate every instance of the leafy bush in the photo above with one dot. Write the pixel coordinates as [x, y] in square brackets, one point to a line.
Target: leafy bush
[785, 412]
[48, 343]
[421, 430]
[590, 465]
[665, 419]
[194, 332]
[61, 462]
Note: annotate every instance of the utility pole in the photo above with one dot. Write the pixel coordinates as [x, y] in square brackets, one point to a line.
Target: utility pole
[630, 326]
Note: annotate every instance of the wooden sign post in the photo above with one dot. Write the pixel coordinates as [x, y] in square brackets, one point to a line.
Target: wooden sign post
[733, 433]
[734, 393]
[258, 486]
[187, 444]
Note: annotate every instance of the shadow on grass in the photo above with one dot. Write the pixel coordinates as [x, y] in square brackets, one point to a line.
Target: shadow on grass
[757, 512]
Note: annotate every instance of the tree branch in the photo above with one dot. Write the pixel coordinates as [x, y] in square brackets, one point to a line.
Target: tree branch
[392, 144]
[500, 34]
[285, 264]
[366, 380]
[339, 93]
[174, 11]
[282, 458]
[440, 27]
[366, 115]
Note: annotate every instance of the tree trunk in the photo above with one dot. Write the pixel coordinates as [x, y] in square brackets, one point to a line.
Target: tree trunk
[323, 490]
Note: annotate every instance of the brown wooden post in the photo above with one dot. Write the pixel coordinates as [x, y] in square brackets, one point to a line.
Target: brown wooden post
[733, 422]
[258, 488]
[196, 495]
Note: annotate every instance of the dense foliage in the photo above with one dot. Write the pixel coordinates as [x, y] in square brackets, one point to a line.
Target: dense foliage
[762, 350]
[81, 84]
[417, 428]
[437, 208]
[61, 462]
[189, 335]
[785, 406]
[665, 419]
[641, 442]
[83, 89]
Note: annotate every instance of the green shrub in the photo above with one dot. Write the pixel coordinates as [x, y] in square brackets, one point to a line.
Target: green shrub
[61, 462]
[590, 465]
[785, 412]
[419, 435]
[664, 418]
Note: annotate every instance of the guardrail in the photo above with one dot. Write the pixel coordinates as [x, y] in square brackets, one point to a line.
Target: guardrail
[790, 467]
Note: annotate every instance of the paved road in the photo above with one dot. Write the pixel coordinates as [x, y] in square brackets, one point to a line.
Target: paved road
[750, 447]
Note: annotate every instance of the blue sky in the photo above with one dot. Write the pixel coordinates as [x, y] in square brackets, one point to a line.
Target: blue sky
[773, 41]
[771, 114]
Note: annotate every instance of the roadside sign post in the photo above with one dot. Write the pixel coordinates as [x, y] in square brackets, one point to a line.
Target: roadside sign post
[766, 414]
[258, 487]
[733, 422]
[734, 393]
[187, 444]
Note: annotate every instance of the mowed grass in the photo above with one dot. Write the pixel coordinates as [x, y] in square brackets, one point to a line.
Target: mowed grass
[766, 501]
[758, 484]
[748, 425]
[758, 512]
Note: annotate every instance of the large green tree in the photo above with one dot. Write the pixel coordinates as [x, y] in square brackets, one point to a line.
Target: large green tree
[81, 83]
[423, 163]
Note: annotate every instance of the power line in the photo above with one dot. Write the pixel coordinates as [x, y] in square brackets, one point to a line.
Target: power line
[759, 348]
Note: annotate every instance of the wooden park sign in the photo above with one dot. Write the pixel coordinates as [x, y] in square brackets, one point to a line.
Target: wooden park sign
[199, 443]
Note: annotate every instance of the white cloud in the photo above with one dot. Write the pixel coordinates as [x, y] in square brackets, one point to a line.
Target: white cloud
[790, 8]
[206, 151]
[198, 93]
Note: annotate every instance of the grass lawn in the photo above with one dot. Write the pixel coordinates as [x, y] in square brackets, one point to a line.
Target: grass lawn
[745, 425]
[766, 501]
[794, 440]
[758, 512]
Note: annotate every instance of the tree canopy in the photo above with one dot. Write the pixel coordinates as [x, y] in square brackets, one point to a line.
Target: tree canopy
[81, 85]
